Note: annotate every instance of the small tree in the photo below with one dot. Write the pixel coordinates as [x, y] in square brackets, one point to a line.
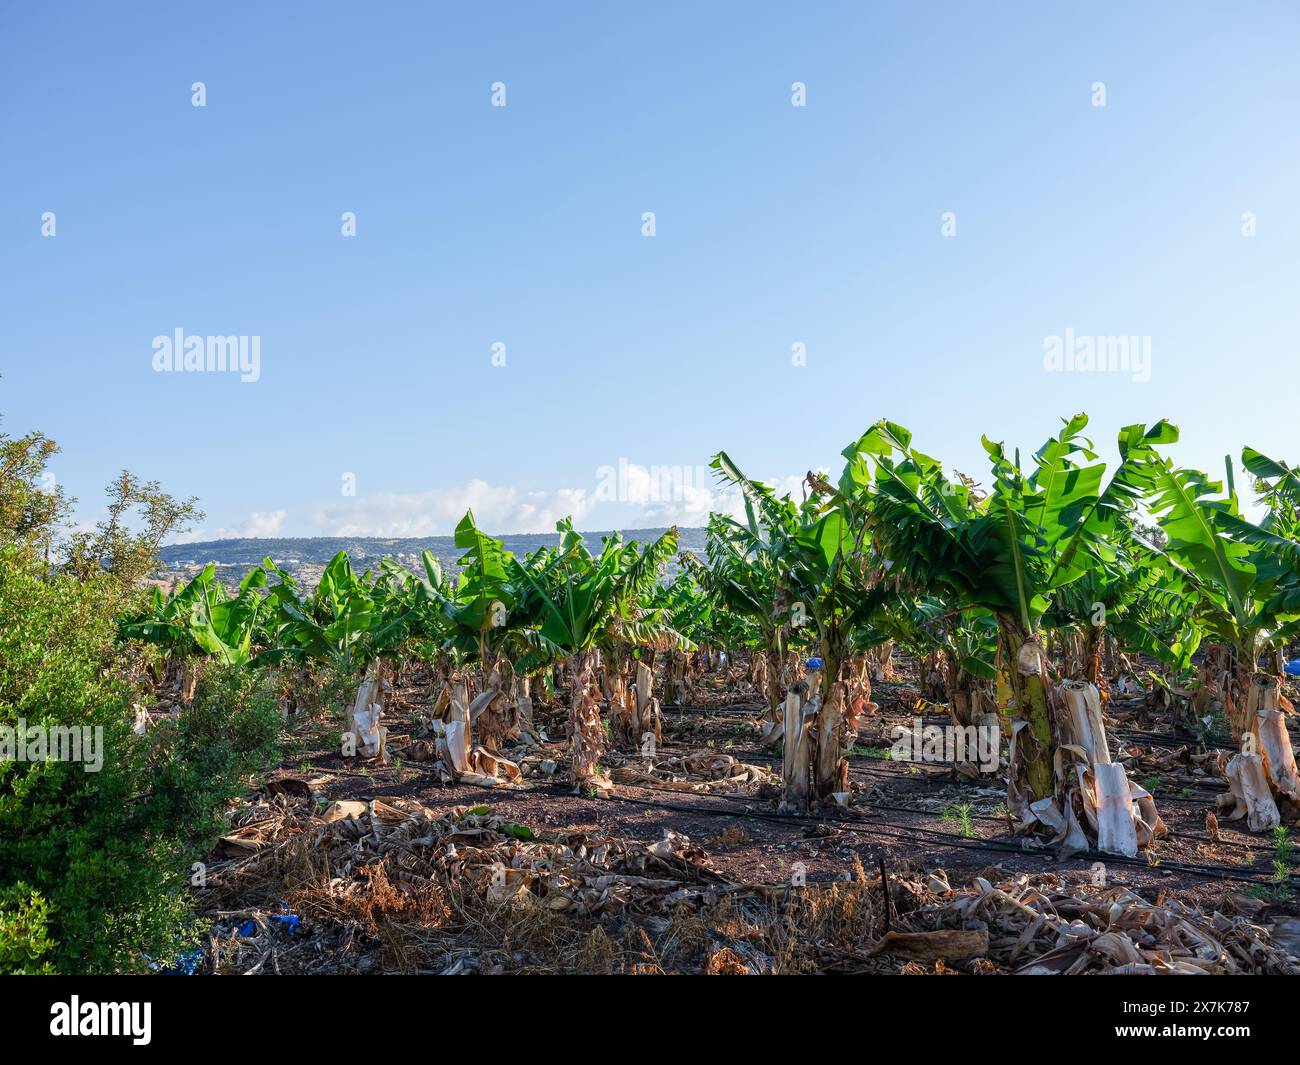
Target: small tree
[140, 516]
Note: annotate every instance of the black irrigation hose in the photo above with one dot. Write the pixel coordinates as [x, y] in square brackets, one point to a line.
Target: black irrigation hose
[959, 842]
[1172, 737]
[1203, 870]
[1208, 801]
[1002, 820]
[730, 709]
[1207, 871]
[1147, 737]
[882, 771]
[1153, 739]
[902, 774]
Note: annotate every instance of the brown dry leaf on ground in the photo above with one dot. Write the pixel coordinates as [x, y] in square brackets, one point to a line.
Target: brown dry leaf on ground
[703, 770]
[1109, 930]
[399, 887]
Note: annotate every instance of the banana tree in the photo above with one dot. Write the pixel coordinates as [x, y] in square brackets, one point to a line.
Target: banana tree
[348, 622]
[1246, 576]
[824, 577]
[1240, 572]
[696, 614]
[484, 598]
[470, 629]
[594, 610]
[1156, 616]
[957, 651]
[351, 624]
[1275, 539]
[197, 619]
[1009, 553]
[743, 577]
[1086, 613]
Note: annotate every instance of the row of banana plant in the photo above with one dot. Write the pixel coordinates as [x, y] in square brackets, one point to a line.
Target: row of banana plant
[1020, 602]
[1014, 595]
[583, 624]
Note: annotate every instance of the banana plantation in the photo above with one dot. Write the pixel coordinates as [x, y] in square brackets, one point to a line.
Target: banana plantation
[903, 720]
[910, 711]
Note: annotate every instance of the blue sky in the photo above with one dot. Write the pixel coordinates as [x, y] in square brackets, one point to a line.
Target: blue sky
[522, 224]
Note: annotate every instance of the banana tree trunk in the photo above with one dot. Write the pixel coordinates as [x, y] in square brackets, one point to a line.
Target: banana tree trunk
[1265, 767]
[622, 710]
[934, 686]
[497, 721]
[648, 724]
[1111, 657]
[774, 726]
[677, 663]
[796, 757]
[857, 700]
[1090, 802]
[190, 669]
[1093, 641]
[586, 730]
[490, 717]
[813, 767]
[1221, 689]
[971, 702]
[363, 721]
[1023, 674]
[882, 661]
[831, 767]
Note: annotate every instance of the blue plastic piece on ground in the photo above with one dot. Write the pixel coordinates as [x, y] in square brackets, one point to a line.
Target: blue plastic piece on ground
[1293, 667]
[247, 929]
[289, 920]
[815, 663]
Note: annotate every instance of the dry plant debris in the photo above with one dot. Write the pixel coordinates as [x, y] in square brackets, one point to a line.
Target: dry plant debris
[400, 887]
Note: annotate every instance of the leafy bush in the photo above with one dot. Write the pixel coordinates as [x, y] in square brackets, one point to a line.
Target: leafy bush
[94, 865]
[203, 757]
[24, 932]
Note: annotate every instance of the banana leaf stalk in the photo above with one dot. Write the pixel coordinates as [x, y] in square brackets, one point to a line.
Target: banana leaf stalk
[1265, 766]
[586, 730]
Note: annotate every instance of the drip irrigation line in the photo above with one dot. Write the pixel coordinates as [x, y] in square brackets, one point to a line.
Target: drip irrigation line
[1209, 871]
[903, 774]
[1205, 871]
[1164, 739]
[1002, 821]
[1206, 801]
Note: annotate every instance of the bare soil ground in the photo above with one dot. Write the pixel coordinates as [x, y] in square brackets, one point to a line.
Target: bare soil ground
[718, 857]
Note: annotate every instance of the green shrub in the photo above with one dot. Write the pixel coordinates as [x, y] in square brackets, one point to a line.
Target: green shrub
[24, 932]
[204, 756]
[94, 866]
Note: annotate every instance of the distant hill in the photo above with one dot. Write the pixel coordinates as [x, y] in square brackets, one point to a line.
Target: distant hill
[307, 555]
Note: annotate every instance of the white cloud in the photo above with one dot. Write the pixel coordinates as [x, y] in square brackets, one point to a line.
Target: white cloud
[644, 498]
[261, 524]
[676, 495]
[265, 523]
[497, 508]
[693, 504]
